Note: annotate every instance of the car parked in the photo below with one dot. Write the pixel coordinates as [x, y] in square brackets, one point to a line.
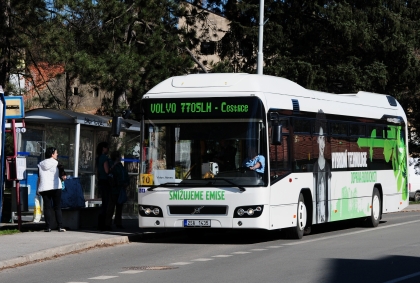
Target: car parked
[414, 179]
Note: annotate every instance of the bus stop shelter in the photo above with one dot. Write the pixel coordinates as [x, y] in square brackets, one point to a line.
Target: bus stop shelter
[75, 135]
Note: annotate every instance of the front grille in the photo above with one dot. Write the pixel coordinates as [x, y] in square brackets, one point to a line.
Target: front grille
[198, 209]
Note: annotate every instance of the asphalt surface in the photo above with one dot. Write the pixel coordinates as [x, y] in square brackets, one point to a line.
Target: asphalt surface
[33, 244]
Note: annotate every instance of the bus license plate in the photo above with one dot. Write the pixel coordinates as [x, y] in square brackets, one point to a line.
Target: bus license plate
[197, 223]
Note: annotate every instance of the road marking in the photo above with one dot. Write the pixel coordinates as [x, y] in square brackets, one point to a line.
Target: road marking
[103, 277]
[77, 282]
[221, 255]
[202, 259]
[274, 247]
[131, 271]
[181, 263]
[241, 253]
[404, 278]
[257, 250]
[351, 233]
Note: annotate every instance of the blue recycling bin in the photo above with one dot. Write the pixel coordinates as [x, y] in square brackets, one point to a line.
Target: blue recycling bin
[31, 183]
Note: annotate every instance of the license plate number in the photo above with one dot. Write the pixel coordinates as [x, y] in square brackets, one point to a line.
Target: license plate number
[197, 223]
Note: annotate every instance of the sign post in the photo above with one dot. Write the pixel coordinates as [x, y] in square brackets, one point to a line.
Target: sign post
[2, 142]
[14, 109]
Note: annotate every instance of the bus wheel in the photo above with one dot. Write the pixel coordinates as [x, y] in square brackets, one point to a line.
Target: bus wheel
[375, 214]
[301, 218]
[417, 197]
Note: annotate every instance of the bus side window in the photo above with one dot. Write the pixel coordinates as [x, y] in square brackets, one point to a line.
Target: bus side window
[279, 159]
[302, 145]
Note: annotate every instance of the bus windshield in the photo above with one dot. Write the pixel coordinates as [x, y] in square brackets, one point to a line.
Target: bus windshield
[216, 150]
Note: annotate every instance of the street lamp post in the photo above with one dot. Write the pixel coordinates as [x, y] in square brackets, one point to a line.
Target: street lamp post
[260, 40]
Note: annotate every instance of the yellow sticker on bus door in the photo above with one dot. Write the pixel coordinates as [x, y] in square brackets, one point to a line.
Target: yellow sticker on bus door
[146, 179]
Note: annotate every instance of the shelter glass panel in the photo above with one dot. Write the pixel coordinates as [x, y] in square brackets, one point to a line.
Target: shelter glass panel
[59, 137]
[86, 151]
[33, 146]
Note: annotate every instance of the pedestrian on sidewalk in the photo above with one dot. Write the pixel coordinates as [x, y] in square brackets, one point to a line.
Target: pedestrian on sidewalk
[121, 182]
[102, 171]
[49, 187]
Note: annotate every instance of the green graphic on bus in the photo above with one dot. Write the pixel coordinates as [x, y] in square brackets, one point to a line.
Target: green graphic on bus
[196, 195]
[350, 205]
[393, 148]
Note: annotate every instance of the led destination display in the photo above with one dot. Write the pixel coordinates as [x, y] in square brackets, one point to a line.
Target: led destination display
[239, 107]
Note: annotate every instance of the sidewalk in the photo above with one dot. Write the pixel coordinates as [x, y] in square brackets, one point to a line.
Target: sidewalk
[34, 244]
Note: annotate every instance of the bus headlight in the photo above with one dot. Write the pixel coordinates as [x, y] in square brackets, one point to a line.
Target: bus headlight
[150, 211]
[250, 211]
[156, 211]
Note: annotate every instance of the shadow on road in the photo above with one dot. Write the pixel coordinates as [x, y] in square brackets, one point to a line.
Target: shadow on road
[242, 236]
[387, 269]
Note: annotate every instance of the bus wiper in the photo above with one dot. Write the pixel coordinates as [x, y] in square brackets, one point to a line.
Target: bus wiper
[192, 185]
[242, 189]
[162, 185]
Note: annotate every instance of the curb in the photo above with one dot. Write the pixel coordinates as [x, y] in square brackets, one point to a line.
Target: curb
[67, 249]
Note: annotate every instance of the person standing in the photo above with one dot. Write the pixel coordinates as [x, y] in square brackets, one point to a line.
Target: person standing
[49, 187]
[121, 182]
[102, 167]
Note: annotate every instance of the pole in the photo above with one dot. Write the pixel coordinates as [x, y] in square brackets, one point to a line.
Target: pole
[18, 200]
[2, 142]
[76, 150]
[260, 40]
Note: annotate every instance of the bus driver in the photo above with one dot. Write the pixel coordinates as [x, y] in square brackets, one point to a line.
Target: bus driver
[254, 161]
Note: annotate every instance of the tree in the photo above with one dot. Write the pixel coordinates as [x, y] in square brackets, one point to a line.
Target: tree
[20, 21]
[124, 47]
[145, 50]
[339, 47]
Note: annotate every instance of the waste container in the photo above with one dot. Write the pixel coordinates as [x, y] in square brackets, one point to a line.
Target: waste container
[6, 213]
[23, 199]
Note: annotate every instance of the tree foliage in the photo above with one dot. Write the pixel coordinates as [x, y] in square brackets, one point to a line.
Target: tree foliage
[332, 46]
[123, 47]
[20, 23]
[126, 47]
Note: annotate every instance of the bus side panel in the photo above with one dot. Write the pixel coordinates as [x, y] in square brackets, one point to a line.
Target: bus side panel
[281, 216]
[350, 198]
[284, 197]
[351, 195]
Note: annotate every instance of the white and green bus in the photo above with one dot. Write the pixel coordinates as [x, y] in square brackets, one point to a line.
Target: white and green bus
[319, 157]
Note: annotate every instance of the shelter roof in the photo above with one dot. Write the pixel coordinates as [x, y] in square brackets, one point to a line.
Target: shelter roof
[63, 116]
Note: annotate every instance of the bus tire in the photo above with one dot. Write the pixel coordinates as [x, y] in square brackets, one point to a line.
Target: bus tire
[417, 197]
[376, 211]
[301, 219]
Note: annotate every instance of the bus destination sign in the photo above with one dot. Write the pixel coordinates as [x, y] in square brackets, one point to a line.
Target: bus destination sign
[243, 107]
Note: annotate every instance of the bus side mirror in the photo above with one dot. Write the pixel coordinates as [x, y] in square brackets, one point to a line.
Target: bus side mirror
[116, 126]
[276, 137]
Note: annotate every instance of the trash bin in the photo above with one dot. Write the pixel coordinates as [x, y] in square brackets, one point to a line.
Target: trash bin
[23, 199]
[6, 213]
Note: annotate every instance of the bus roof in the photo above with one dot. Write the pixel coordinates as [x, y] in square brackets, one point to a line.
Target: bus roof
[278, 91]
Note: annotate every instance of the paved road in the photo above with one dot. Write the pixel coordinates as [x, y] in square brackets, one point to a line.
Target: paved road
[334, 253]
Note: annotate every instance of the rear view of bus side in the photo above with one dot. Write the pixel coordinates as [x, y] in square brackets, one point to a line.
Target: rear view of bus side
[251, 151]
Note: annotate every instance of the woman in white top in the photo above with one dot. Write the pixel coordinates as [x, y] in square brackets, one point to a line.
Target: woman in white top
[49, 186]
